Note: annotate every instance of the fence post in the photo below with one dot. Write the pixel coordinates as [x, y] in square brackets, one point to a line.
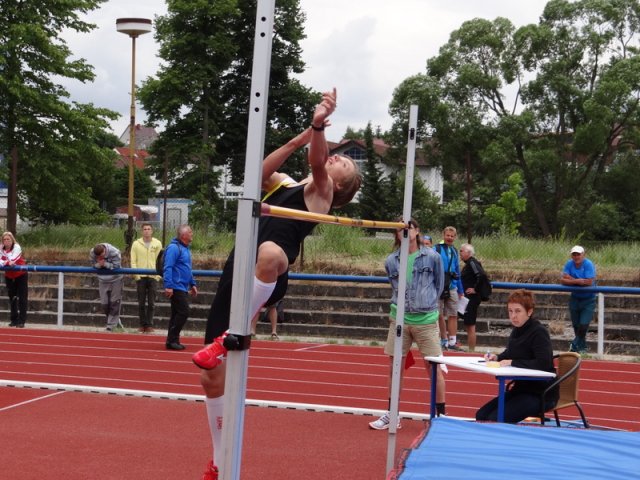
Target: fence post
[60, 297]
[600, 323]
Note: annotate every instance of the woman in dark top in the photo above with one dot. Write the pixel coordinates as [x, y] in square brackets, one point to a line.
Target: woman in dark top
[529, 346]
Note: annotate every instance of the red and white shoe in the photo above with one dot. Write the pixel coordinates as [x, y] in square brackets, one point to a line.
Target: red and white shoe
[212, 355]
[211, 473]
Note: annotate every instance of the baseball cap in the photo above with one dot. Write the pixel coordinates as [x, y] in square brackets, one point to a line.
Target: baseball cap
[577, 249]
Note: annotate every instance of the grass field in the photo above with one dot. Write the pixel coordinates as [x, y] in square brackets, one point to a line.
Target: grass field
[338, 249]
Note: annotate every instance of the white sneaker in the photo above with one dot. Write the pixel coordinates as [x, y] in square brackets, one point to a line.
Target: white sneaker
[383, 422]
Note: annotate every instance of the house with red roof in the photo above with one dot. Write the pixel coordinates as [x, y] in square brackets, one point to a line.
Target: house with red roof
[430, 175]
[124, 155]
[144, 136]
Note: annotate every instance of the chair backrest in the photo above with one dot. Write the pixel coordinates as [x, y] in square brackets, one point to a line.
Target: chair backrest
[568, 372]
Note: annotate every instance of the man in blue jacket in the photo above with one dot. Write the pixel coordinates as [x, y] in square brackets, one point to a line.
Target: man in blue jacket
[177, 276]
[452, 290]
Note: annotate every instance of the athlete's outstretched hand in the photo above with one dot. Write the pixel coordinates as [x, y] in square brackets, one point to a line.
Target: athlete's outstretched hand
[325, 108]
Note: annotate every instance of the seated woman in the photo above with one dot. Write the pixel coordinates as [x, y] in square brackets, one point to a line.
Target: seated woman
[529, 346]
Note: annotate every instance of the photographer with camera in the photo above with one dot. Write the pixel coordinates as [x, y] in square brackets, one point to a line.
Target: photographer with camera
[452, 290]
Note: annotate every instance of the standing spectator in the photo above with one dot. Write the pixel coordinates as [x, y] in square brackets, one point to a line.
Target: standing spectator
[427, 241]
[452, 290]
[425, 281]
[273, 313]
[17, 281]
[472, 275]
[580, 272]
[178, 283]
[105, 256]
[144, 253]
[529, 346]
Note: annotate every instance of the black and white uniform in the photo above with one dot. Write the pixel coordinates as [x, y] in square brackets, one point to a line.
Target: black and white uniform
[287, 233]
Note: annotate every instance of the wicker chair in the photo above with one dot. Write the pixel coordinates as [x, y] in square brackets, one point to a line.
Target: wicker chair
[568, 376]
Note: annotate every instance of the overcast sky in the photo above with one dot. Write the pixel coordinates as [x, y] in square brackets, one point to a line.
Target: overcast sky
[365, 48]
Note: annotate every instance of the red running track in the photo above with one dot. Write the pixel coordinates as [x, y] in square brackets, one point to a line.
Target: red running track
[333, 377]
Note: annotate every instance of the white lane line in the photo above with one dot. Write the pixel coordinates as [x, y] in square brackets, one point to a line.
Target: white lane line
[183, 357]
[311, 347]
[15, 405]
[200, 398]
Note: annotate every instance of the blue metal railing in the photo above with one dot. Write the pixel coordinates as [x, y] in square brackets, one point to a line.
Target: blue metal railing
[599, 290]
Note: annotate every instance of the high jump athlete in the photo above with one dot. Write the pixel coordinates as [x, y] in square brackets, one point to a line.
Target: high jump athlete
[333, 182]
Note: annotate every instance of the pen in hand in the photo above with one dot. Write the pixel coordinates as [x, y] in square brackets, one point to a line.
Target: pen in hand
[485, 357]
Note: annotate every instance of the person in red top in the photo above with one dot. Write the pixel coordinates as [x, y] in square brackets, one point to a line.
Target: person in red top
[17, 281]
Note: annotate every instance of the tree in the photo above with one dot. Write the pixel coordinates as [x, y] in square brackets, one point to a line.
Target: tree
[201, 93]
[55, 142]
[352, 134]
[374, 193]
[504, 214]
[142, 186]
[424, 204]
[196, 46]
[290, 105]
[554, 101]
[583, 100]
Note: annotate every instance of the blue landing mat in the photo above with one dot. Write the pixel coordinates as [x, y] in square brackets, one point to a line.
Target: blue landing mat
[488, 451]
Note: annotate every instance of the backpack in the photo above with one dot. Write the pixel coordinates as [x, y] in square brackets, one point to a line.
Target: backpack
[160, 262]
[484, 287]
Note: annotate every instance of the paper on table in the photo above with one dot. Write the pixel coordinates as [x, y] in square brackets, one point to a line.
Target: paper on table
[443, 367]
[462, 305]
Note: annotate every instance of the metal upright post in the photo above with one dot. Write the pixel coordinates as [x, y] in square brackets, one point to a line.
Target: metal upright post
[245, 248]
[164, 201]
[134, 27]
[600, 324]
[60, 315]
[132, 146]
[402, 286]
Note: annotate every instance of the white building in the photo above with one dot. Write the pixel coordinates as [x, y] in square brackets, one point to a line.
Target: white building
[431, 176]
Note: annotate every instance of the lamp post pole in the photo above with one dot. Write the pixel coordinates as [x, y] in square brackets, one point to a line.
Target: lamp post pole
[134, 27]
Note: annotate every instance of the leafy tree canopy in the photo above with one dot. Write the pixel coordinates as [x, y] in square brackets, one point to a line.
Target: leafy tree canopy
[201, 93]
[59, 145]
[556, 102]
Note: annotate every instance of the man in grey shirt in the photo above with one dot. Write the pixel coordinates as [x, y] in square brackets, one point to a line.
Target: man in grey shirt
[105, 256]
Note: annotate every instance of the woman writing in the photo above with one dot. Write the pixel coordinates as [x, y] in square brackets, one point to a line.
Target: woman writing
[529, 346]
[16, 280]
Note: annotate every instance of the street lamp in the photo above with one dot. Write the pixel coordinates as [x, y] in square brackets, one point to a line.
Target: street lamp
[134, 27]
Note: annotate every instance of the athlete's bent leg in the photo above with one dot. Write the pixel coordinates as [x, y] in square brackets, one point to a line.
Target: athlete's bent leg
[212, 355]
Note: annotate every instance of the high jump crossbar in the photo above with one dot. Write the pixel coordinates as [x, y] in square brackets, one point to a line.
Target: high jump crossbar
[274, 211]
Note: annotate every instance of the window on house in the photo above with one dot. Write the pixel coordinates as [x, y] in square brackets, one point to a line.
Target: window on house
[359, 156]
[356, 153]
